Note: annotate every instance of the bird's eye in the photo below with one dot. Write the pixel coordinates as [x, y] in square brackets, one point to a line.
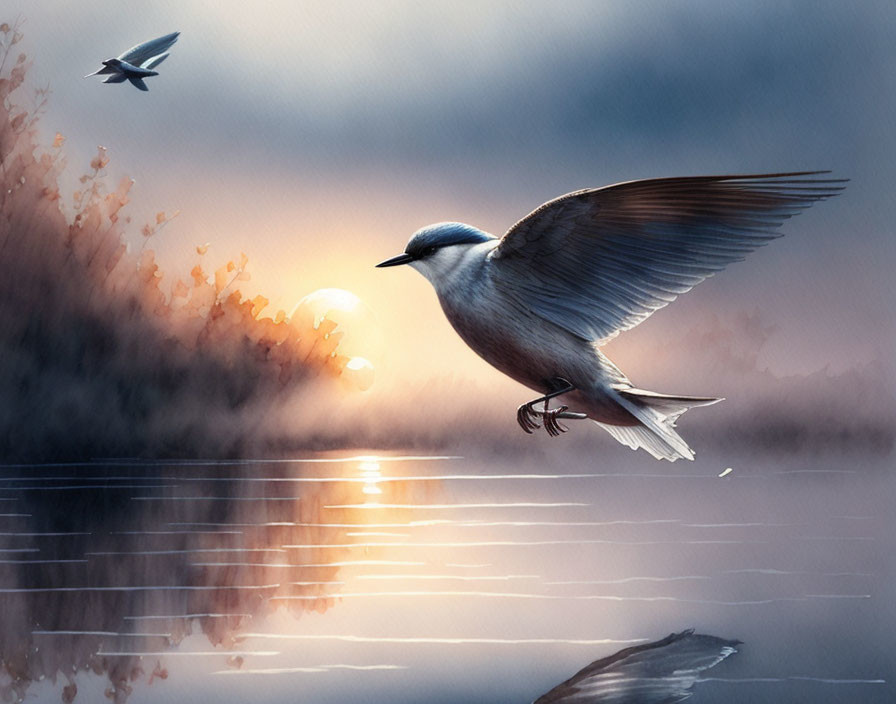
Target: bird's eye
[429, 250]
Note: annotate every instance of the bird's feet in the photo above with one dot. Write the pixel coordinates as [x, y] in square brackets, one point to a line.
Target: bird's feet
[527, 417]
[551, 424]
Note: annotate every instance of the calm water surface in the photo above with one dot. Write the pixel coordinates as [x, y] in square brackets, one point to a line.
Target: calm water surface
[383, 578]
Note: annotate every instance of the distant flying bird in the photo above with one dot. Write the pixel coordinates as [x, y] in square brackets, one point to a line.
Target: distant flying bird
[663, 672]
[539, 302]
[137, 62]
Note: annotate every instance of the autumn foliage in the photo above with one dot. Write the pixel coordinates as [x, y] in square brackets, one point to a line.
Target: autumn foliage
[103, 353]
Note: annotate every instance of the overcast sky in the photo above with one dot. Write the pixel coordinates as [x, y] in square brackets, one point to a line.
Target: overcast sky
[317, 136]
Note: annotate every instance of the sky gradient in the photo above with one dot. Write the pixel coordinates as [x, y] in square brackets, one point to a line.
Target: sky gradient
[317, 138]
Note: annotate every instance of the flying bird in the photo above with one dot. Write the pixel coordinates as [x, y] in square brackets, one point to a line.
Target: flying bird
[137, 62]
[538, 303]
[663, 672]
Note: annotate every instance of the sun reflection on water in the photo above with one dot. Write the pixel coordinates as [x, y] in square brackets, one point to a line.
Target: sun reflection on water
[370, 472]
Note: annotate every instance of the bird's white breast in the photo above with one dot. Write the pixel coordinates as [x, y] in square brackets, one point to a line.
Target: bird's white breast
[492, 318]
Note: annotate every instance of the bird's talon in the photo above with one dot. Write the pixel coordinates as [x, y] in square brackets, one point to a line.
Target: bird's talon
[551, 424]
[525, 416]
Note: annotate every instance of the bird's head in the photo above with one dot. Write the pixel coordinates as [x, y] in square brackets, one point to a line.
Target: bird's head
[112, 63]
[434, 249]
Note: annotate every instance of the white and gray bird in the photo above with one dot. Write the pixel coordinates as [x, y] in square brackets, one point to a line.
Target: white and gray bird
[137, 62]
[538, 303]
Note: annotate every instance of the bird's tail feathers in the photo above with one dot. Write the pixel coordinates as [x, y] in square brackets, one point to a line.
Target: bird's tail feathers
[657, 414]
[101, 71]
[642, 437]
[671, 406]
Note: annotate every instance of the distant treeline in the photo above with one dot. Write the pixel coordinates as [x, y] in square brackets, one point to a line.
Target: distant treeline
[103, 354]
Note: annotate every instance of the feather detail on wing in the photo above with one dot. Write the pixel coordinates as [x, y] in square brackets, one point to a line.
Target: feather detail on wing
[155, 61]
[137, 55]
[600, 261]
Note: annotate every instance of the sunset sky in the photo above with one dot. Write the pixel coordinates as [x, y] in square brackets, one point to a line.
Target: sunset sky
[317, 136]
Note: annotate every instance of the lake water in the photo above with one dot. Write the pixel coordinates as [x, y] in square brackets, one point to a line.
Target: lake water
[369, 577]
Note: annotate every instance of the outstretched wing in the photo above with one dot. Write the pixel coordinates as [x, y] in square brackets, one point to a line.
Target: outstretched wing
[155, 61]
[599, 261]
[136, 55]
[662, 672]
[139, 83]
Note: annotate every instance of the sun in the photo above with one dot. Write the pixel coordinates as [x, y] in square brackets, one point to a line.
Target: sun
[361, 338]
[325, 301]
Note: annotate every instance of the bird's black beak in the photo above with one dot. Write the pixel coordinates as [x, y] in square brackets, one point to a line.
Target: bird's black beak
[402, 258]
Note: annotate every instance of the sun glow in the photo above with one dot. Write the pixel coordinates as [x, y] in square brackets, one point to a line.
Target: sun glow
[326, 300]
[360, 371]
[357, 363]
[350, 325]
